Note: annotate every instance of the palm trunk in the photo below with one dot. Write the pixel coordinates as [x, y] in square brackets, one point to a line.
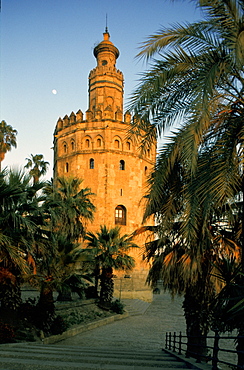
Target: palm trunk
[197, 325]
[46, 307]
[107, 287]
[240, 348]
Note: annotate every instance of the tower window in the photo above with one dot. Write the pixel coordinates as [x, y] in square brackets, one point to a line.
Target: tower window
[65, 148]
[120, 215]
[128, 145]
[99, 143]
[104, 62]
[122, 165]
[66, 169]
[145, 170]
[92, 163]
[87, 143]
[72, 145]
[116, 144]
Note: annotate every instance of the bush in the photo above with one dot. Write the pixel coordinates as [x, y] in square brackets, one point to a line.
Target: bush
[58, 325]
[6, 333]
[117, 307]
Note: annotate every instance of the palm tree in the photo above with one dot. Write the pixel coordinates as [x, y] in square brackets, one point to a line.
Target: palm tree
[197, 82]
[69, 208]
[21, 234]
[110, 251]
[38, 167]
[7, 139]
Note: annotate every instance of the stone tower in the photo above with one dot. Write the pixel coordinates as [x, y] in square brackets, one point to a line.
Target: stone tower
[96, 148]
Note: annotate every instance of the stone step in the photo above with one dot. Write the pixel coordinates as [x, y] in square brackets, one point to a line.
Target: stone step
[40, 357]
[135, 306]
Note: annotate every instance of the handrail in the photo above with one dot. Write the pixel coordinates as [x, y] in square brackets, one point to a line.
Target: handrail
[176, 343]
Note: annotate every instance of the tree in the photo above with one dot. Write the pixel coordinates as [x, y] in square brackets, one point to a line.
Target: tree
[69, 208]
[192, 235]
[21, 230]
[7, 139]
[110, 251]
[38, 167]
[197, 82]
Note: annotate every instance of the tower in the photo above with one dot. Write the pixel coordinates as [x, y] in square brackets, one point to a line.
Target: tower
[96, 148]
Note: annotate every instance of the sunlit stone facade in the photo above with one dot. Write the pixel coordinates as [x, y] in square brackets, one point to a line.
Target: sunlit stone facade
[95, 147]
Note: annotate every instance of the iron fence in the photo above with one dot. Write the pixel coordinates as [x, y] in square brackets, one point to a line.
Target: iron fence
[178, 343]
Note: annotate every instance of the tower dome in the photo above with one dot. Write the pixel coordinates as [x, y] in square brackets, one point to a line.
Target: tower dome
[105, 48]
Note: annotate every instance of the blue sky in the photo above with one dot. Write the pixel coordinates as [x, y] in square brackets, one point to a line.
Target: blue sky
[48, 44]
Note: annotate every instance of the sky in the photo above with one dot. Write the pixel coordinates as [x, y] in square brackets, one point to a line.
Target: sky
[47, 46]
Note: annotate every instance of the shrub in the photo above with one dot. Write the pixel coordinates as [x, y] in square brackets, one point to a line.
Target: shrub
[58, 325]
[117, 307]
[6, 333]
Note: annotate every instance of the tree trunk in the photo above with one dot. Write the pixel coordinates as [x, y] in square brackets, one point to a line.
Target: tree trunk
[240, 348]
[197, 324]
[107, 287]
[46, 307]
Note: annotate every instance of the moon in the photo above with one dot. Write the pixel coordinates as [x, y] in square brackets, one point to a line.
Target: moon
[54, 91]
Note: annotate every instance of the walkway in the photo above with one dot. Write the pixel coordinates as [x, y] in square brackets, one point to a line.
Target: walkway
[134, 343]
[140, 332]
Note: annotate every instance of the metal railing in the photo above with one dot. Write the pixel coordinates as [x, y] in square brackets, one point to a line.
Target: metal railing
[178, 343]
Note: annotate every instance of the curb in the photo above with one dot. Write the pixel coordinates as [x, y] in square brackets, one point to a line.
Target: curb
[82, 328]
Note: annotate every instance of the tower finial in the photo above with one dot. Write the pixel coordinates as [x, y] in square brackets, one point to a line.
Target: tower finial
[106, 28]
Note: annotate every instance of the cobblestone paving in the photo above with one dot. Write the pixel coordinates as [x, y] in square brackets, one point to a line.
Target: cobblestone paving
[139, 332]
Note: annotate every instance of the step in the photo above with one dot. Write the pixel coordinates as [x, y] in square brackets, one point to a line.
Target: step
[135, 306]
[33, 356]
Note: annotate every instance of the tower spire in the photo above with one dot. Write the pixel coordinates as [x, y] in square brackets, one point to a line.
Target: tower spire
[106, 28]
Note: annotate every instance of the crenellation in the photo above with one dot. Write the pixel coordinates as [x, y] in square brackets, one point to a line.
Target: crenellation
[72, 118]
[89, 115]
[60, 124]
[79, 116]
[127, 117]
[119, 115]
[66, 121]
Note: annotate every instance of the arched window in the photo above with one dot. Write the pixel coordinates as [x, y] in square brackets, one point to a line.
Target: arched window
[122, 165]
[116, 144]
[120, 215]
[128, 145]
[145, 170]
[66, 167]
[65, 148]
[87, 143]
[148, 152]
[99, 143]
[72, 145]
[92, 163]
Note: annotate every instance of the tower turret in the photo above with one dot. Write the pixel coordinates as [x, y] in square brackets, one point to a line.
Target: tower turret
[105, 81]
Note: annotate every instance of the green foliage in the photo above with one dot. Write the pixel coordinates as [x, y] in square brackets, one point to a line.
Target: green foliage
[58, 325]
[7, 139]
[109, 250]
[117, 307]
[195, 82]
[38, 167]
[81, 316]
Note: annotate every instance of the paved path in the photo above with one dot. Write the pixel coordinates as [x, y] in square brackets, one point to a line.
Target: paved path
[146, 331]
